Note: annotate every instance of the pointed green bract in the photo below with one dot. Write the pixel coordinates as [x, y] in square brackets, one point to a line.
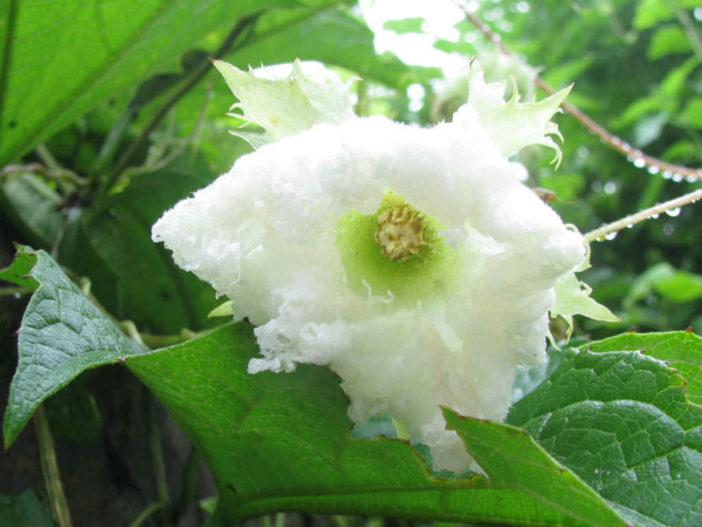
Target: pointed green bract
[286, 105]
[513, 124]
[573, 298]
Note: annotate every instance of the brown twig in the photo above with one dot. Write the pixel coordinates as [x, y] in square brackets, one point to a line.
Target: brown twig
[640, 159]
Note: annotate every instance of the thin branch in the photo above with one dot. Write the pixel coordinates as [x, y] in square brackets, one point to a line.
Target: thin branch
[636, 156]
[606, 231]
[195, 77]
[50, 470]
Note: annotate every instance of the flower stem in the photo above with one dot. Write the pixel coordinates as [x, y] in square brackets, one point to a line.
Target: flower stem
[639, 159]
[627, 221]
[50, 470]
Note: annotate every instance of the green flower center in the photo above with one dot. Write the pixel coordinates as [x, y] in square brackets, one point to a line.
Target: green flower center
[397, 249]
[400, 232]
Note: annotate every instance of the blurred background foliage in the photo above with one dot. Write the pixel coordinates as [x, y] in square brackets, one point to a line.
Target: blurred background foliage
[110, 113]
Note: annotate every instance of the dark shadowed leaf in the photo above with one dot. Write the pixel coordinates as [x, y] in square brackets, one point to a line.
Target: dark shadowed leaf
[24, 510]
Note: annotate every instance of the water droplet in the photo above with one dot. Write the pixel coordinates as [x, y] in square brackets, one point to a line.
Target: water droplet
[630, 226]
[616, 141]
[673, 212]
[667, 174]
[639, 162]
[653, 169]
[627, 147]
[654, 216]
[691, 179]
[16, 295]
[611, 235]
[677, 178]
[668, 229]
[610, 187]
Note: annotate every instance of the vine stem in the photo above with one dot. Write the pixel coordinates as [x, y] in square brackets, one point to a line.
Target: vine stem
[635, 155]
[50, 470]
[627, 221]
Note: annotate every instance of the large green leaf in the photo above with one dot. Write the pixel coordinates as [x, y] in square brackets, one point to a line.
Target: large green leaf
[682, 350]
[621, 421]
[62, 58]
[62, 334]
[282, 442]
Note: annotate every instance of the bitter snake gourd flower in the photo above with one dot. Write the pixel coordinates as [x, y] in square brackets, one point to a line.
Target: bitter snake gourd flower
[411, 261]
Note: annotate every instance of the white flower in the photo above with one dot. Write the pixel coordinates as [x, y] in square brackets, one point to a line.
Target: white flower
[410, 261]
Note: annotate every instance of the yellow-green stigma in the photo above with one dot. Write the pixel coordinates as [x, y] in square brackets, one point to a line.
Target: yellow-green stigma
[400, 232]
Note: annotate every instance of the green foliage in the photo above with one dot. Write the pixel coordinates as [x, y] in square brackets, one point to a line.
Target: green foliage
[281, 442]
[622, 422]
[91, 60]
[615, 429]
[23, 510]
[681, 350]
[134, 277]
[62, 334]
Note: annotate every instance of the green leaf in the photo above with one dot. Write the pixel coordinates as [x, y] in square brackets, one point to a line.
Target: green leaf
[282, 442]
[668, 40]
[692, 113]
[32, 206]
[405, 25]
[670, 283]
[62, 334]
[682, 350]
[24, 510]
[513, 459]
[650, 12]
[621, 421]
[62, 58]
[19, 271]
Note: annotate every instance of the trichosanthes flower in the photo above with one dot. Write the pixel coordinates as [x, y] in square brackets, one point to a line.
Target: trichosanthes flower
[411, 261]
